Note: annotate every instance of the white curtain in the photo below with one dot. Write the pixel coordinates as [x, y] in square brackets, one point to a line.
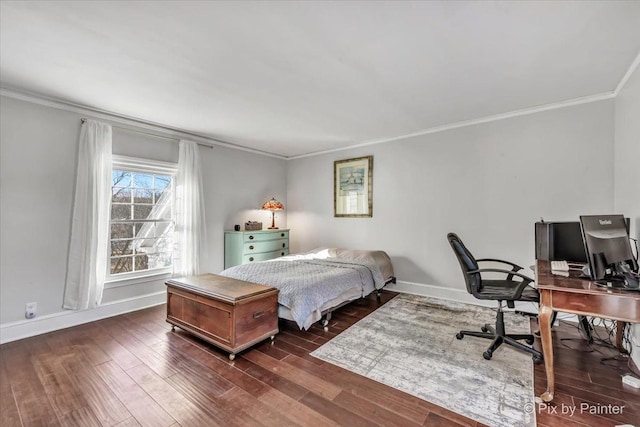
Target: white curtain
[88, 249]
[190, 218]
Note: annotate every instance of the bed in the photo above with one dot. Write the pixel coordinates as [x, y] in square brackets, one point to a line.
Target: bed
[314, 283]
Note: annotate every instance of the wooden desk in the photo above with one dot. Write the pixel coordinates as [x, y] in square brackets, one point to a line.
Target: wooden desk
[582, 297]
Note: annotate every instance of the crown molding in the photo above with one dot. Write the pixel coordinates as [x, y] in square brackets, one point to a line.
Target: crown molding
[627, 75]
[127, 120]
[465, 123]
[178, 133]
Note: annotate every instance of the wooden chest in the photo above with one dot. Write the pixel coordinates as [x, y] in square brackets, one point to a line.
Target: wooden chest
[228, 313]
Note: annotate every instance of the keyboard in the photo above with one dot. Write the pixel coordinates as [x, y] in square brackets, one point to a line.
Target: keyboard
[559, 266]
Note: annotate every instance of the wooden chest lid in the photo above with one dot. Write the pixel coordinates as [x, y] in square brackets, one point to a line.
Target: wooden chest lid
[219, 287]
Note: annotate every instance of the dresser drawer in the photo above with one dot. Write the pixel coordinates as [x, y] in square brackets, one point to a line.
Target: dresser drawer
[264, 256]
[260, 237]
[268, 246]
[241, 247]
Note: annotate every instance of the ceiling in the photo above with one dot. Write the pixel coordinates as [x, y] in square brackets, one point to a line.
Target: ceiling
[292, 78]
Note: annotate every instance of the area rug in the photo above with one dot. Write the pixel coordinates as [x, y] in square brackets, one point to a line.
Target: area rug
[409, 344]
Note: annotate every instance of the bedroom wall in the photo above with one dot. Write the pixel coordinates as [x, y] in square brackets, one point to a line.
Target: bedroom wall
[627, 167]
[489, 183]
[38, 154]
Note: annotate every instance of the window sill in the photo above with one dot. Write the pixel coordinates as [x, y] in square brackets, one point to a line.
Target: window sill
[137, 279]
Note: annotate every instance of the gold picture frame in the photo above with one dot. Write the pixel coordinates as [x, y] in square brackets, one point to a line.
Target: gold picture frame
[353, 187]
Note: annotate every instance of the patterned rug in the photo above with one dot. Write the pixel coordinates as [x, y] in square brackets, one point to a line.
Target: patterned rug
[409, 344]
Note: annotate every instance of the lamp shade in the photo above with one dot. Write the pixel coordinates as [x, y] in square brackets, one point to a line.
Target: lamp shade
[273, 205]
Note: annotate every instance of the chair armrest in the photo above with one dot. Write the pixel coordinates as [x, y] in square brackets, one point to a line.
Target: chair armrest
[510, 273]
[499, 270]
[516, 267]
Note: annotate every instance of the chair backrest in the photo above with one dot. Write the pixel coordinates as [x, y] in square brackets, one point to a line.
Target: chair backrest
[467, 263]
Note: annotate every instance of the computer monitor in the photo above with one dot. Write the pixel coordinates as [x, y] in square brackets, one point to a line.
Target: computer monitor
[561, 241]
[565, 242]
[606, 241]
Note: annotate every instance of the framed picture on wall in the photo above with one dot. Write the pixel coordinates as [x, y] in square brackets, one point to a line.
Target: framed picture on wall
[353, 187]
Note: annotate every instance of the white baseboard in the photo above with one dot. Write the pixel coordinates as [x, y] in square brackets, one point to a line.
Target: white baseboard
[452, 294]
[13, 331]
[27, 328]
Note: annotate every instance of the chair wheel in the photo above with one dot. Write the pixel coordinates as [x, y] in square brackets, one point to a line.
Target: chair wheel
[459, 335]
[537, 360]
[487, 355]
[529, 341]
[484, 329]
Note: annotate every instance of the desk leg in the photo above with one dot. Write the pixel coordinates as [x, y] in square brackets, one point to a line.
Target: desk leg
[544, 318]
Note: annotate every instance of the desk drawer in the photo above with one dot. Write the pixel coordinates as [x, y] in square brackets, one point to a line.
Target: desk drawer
[610, 306]
[264, 256]
[260, 237]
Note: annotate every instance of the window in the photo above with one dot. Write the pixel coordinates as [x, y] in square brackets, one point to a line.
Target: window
[142, 218]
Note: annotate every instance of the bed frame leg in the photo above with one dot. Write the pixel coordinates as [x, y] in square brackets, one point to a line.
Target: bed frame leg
[325, 322]
[378, 296]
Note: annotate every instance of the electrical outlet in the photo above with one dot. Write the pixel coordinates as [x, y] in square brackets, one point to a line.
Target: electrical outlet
[30, 310]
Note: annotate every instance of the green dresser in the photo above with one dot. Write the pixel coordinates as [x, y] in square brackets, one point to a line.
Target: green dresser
[243, 247]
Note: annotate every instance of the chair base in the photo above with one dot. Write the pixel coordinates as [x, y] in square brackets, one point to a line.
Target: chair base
[499, 337]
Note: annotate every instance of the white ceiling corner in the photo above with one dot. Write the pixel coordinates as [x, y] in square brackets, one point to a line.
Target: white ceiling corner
[293, 78]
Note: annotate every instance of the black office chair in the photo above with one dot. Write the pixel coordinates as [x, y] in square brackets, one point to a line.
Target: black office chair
[508, 290]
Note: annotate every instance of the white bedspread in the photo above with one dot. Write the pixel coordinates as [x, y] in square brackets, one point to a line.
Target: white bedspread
[307, 281]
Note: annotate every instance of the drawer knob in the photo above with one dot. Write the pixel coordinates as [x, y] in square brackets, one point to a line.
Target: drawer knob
[283, 245]
[251, 247]
[258, 314]
[281, 234]
[251, 259]
[250, 237]
[282, 254]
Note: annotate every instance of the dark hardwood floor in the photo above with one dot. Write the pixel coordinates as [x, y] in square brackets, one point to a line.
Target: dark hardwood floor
[132, 370]
[589, 389]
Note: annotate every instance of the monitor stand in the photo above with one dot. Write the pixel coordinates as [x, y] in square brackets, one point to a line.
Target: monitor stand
[625, 272]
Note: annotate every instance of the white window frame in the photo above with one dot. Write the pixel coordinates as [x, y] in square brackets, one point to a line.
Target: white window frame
[135, 164]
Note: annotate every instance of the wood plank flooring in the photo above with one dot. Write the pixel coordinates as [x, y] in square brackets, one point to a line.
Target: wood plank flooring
[588, 388]
[131, 370]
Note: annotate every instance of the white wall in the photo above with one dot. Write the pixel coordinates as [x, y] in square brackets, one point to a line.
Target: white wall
[236, 186]
[489, 183]
[38, 152]
[627, 167]
[627, 152]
